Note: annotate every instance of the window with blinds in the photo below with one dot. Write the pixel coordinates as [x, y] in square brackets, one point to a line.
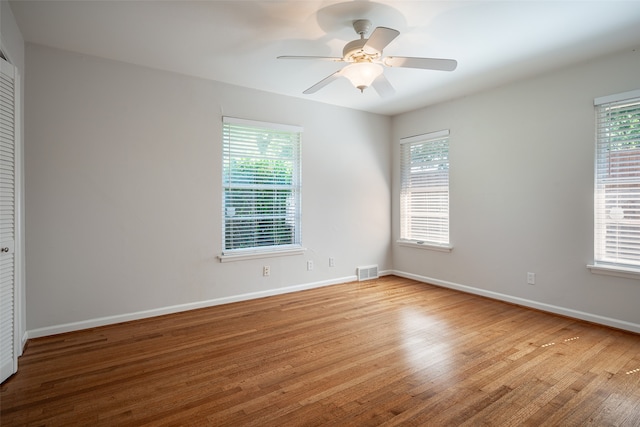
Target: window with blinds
[617, 181]
[261, 186]
[424, 189]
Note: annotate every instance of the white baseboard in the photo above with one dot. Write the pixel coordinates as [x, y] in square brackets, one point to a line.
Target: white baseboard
[563, 311]
[109, 320]
[23, 342]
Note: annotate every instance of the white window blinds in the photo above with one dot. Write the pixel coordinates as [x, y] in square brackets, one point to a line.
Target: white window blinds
[617, 181]
[261, 186]
[424, 188]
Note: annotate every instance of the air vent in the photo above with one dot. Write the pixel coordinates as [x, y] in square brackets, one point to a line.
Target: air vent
[368, 272]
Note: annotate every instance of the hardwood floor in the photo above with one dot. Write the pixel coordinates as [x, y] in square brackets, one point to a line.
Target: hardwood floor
[383, 352]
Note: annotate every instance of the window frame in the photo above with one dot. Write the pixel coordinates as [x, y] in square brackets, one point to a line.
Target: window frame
[602, 263]
[408, 239]
[230, 183]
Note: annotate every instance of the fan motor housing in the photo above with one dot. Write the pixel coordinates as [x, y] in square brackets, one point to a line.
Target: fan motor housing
[353, 52]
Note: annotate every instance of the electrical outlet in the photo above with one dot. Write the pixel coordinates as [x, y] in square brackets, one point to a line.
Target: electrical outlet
[531, 278]
[309, 265]
[266, 270]
[332, 261]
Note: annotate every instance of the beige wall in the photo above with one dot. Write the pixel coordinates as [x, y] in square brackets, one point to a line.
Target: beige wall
[522, 159]
[123, 192]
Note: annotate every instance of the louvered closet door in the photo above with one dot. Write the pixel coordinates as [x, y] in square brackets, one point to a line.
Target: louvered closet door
[8, 353]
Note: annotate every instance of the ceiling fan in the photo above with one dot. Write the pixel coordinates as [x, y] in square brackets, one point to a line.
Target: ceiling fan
[364, 56]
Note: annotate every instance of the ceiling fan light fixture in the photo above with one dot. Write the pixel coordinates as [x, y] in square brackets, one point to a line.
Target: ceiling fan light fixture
[362, 74]
[365, 61]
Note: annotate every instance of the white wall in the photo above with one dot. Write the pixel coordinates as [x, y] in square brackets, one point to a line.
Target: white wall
[521, 200]
[123, 191]
[12, 44]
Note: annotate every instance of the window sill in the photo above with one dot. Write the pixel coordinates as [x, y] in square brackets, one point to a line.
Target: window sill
[257, 255]
[608, 270]
[425, 245]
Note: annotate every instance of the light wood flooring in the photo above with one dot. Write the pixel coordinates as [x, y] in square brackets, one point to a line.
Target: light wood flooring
[383, 352]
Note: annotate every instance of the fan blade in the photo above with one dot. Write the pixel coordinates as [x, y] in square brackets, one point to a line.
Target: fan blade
[423, 63]
[379, 39]
[382, 86]
[321, 58]
[322, 83]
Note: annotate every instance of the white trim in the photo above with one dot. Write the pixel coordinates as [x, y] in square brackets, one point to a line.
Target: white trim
[267, 125]
[424, 245]
[610, 270]
[110, 320]
[425, 136]
[25, 338]
[19, 251]
[257, 255]
[563, 311]
[617, 97]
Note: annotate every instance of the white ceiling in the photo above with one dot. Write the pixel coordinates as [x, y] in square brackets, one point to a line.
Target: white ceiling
[237, 42]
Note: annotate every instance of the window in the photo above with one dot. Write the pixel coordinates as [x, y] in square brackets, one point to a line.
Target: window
[424, 189]
[617, 182]
[261, 187]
